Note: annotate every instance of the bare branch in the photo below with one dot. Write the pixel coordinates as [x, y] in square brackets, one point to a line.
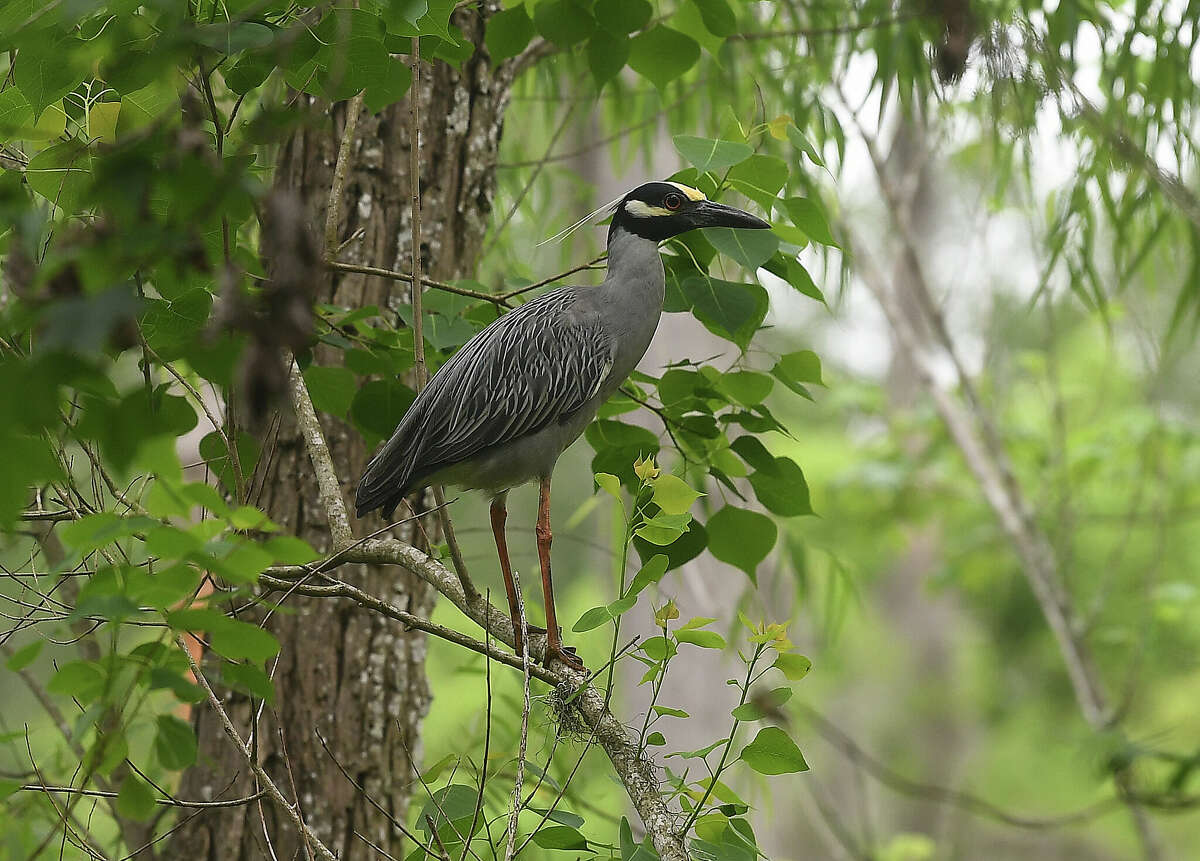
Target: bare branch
[314, 440]
[271, 789]
[334, 206]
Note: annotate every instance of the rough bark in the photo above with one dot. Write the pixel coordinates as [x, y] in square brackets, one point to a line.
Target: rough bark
[356, 676]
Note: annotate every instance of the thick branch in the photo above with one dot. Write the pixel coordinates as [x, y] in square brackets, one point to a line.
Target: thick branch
[636, 772]
[314, 441]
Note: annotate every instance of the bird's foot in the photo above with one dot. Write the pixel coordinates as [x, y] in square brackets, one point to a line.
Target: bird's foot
[534, 631]
[566, 654]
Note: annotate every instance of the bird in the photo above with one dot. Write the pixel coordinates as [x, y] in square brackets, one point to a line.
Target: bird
[503, 408]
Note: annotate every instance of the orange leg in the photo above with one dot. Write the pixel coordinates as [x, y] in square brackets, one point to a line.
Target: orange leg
[499, 516]
[554, 647]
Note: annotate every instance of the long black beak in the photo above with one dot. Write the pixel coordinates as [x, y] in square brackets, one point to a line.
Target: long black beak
[713, 214]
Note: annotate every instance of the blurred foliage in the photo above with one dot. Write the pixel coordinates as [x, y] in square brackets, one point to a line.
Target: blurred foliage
[139, 141]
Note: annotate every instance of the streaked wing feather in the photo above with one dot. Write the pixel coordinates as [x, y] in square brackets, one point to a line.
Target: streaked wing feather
[531, 367]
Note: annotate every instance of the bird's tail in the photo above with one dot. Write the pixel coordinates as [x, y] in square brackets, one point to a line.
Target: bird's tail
[386, 479]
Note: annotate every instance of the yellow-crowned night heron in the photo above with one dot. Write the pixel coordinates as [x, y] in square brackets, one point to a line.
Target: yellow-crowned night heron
[500, 412]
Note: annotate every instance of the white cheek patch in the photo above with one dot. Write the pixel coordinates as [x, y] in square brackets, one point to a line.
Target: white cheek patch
[694, 194]
[645, 210]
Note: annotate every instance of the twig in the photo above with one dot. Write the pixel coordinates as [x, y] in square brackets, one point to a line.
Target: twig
[405, 276]
[519, 780]
[327, 480]
[271, 789]
[334, 206]
[941, 794]
[340, 589]
[414, 188]
[166, 802]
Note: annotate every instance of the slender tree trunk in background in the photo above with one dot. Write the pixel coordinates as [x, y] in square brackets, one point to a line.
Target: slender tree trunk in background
[355, 677]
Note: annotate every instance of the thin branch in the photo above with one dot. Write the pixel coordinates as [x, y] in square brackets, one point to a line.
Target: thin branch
[272, 580]
[314, 441]
[940, 794]
[405, 276]
[591, 264]
[166, 802]
[333, 207]
[271, 789]
[519, 780]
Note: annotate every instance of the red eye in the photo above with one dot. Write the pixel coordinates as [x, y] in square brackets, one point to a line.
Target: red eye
[673, 201]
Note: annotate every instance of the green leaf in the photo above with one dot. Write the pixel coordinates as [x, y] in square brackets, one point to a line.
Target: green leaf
[803, 366]
[717, 16]
[290, 550]
[748, 388]
[390, 87]
[564, 22]
[793, 665]
[804, 145]
[593, 618]
[778, 482]
[703, 639]
[249, 678]
[378, 407]
[142, 107]
[623, 16]
[170, 542]
[452, 812]
[617, 446]
[663, 529]
[174, 742]
[236, 640]
[760, 178]
[62, 174]
[751, 248]
[651, 572]
[234, 37]
[559, 837]
[244, 562]
[44, 71]
[94, 531]
[332, 389]
[808, 216]
[661, 55]
[670, 712]
[508, 32]
[658, 648]
[610, 484]
[726, 308]
[656, 739]
[404, 14]
[607, 54]
[773, 752]
[711, 155]
[742, 538]
[673, 495]
[135, 799]
[15, 112]
[762, 704]
[249, 517]
[28, 653]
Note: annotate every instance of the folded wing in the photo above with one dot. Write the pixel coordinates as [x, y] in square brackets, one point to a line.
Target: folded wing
[535, 365]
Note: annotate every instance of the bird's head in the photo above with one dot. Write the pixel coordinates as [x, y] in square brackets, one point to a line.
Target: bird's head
[660, 210]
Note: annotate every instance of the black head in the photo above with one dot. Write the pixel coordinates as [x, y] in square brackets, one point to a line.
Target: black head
[660, 210]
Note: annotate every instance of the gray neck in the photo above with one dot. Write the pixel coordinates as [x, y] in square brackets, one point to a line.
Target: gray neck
[635, 270]
[630, 301]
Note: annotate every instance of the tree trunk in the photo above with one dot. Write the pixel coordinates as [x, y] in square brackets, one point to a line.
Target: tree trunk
[356, 678]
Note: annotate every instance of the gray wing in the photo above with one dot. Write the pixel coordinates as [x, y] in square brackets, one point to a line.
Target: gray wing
[535, 365]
